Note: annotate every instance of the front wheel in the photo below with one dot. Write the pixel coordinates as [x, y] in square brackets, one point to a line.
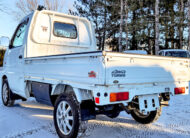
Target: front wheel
[5, 94]
[66, 117]
[146, 118]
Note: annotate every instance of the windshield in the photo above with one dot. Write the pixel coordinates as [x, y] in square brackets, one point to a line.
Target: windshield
[177, 54]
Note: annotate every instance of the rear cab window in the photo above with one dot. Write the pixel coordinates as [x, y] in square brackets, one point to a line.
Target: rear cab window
[65, 30]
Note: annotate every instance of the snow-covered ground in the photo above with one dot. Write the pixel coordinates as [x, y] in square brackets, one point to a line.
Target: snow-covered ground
[33, 120]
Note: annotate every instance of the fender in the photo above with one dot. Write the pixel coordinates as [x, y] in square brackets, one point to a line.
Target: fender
[81, 94]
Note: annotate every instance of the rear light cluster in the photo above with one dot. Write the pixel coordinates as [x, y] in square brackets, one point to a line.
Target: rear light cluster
[180, 90]
[121, 96]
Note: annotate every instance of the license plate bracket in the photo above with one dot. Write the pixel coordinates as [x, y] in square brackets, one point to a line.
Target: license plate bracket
[149, 103]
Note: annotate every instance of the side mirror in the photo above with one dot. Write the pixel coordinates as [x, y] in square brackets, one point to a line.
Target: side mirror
[4, 42]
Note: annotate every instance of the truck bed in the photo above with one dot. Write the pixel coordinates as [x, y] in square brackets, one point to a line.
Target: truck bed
[111, 69]
[140, 69]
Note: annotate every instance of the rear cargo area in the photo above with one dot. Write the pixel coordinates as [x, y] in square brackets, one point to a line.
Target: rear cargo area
[141, 69]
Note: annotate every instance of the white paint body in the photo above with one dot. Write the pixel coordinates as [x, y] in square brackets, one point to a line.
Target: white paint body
[57, 61]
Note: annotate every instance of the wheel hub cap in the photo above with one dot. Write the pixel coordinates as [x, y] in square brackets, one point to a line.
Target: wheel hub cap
[64, 117]
[5, 93]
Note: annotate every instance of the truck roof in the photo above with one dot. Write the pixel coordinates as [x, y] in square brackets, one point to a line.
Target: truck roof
[62, 14]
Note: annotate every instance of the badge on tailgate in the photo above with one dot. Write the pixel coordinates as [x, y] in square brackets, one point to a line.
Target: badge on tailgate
[149, 103]
[118, 73]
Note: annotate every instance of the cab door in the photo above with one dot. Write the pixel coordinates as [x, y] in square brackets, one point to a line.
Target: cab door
[15, 59]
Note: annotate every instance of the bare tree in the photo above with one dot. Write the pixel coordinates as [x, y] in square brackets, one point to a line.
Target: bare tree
[55, 5]
[189, 24]
[2, 8]
[157, 27]
[121, 27]
[105, 25]
[126, 25]
[26, 6]
[181, 23]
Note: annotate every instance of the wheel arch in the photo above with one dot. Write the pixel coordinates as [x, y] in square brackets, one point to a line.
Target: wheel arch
[3, 78]
[81, 94]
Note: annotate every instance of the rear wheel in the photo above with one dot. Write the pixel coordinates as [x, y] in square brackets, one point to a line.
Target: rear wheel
[146, 118]
[5, 94]
[66, 116]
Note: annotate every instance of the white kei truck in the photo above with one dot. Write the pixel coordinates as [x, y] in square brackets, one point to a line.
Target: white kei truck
[53, 57]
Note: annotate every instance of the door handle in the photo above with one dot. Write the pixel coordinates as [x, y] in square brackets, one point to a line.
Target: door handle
[20, 57]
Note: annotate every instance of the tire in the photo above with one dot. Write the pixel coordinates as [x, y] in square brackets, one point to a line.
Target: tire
[148, 118]
[5, 94]
[66, 116]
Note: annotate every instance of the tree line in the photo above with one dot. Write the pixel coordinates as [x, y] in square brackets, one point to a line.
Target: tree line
[150, 25]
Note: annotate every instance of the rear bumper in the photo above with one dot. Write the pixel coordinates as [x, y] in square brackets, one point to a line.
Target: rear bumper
[103, 92]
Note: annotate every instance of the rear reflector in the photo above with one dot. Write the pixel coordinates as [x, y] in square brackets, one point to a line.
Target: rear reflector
[97, 100]
[121, 96]
[180, 90]
[92, 74]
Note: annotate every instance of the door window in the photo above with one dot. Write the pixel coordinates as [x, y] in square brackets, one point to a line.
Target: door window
[18, 38]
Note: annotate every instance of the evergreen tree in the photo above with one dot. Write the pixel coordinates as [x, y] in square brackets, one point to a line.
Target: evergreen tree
[143, 24]
[157, 31]
[97, 12]
[121, 26]
[188, 24]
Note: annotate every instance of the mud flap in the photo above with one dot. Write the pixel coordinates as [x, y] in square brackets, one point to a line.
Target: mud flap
[87, 110]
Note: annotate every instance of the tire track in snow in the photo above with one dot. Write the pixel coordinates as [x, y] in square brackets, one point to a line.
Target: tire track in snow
[32, 131]
[129, 128]
[172, 127]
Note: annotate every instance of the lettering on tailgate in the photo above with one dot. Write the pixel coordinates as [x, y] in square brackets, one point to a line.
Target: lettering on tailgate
[118, 73]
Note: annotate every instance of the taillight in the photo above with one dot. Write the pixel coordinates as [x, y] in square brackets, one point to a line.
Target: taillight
[180, 90]
[121, 96]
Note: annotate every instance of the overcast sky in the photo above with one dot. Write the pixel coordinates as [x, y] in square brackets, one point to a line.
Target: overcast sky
[7, 21]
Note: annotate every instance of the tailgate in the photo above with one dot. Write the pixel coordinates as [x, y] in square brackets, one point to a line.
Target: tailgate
[140, 69]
